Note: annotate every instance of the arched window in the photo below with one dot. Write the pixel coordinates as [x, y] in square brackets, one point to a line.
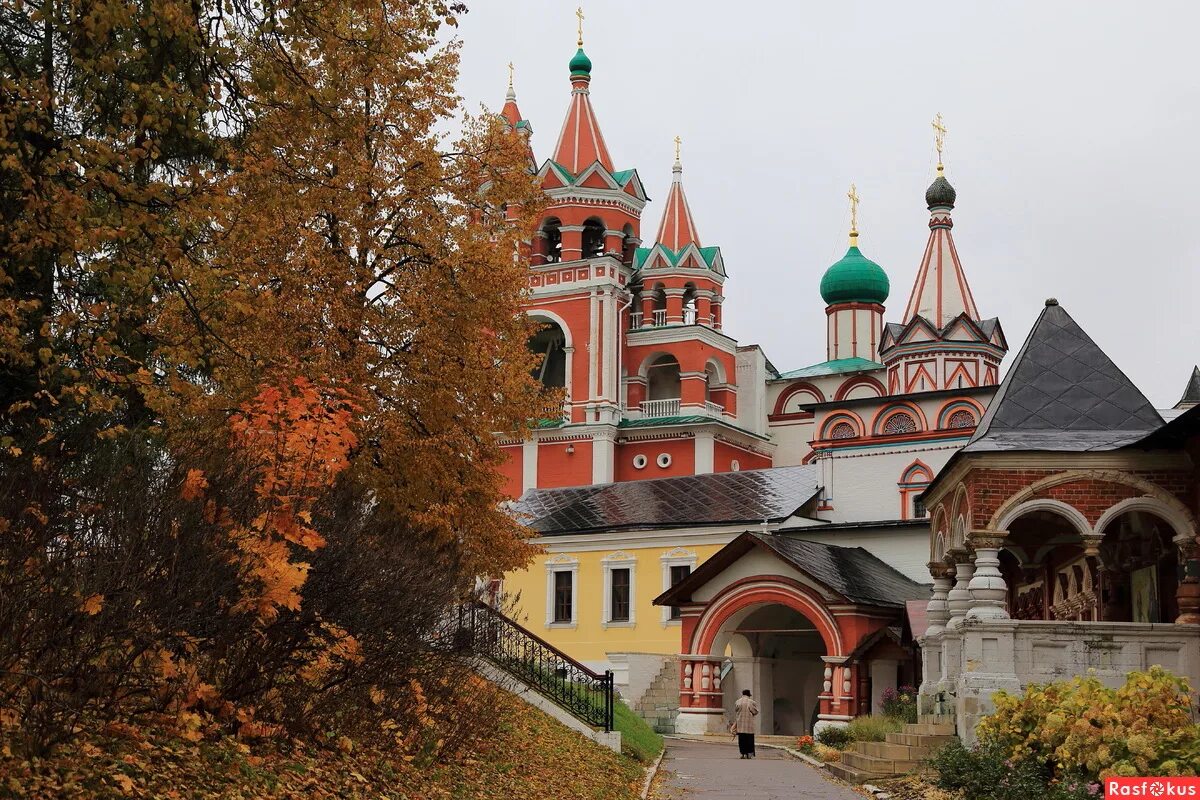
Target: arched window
[548, 343]
[552, 239]
[961, 419]
[899, 423]
[842, 430]
[913, 481]
[593, 238]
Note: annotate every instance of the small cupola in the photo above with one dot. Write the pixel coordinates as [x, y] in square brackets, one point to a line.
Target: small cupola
[855, 278]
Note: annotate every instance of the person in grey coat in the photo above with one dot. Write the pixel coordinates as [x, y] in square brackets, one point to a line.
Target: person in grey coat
[744, 712]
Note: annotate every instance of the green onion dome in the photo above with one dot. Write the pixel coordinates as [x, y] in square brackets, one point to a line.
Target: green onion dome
[581, 64]
[855, 279]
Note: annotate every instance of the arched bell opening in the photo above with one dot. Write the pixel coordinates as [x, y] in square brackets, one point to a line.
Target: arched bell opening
[593, 238]
[549, 343]
[551, 240]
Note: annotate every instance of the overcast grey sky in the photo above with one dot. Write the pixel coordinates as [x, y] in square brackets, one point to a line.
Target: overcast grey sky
[1073, 136]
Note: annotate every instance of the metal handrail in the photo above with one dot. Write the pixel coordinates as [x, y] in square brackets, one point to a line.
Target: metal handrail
[585, 694]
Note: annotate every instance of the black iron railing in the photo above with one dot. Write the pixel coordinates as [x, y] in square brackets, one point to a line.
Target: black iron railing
[585, 694]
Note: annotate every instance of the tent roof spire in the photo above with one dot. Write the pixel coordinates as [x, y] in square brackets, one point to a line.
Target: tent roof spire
[677, 229]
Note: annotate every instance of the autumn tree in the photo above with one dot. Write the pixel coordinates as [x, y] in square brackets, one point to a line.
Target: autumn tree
[258, 326]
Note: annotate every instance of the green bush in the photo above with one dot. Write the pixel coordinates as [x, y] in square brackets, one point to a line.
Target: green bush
[835, 736]
[874, 729]
[986, 772]
[900, 703]
[638, 739]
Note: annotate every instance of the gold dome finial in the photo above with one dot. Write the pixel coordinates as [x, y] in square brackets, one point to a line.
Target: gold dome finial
[939, 139]
[678, 142]
[853, 195]
[579, 13]
[511, 69]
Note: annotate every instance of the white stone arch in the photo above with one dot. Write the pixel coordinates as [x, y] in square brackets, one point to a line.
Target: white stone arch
[1149, 490]
[1177, 517]
[937, 538]
[1058, 507]
[960, 511]
[718, 370]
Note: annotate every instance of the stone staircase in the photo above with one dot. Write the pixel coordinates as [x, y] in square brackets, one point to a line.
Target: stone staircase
[900, 754]
[659, 706]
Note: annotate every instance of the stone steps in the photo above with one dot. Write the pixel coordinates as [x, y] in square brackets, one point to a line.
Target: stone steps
[899, 754]
[856, 759]
[660, 704]
[919, 740]
[851, 775]
[902, 752]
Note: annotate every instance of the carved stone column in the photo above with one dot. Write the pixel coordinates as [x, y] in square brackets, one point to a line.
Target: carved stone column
[958, 599]
[1188, 593]
[1095, 564]
[937, 612]
[988, 590]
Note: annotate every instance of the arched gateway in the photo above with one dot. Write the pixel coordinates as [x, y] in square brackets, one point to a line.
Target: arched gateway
[817, 632]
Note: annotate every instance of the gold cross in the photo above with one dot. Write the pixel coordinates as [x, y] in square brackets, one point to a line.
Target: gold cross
[939, 136]
[511, 68]
[579, 13]
[678, 141]
[853, 195]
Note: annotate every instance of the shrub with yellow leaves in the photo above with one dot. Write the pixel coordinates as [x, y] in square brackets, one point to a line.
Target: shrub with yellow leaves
[1080, 726]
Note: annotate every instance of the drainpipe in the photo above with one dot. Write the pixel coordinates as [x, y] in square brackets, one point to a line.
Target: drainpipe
[621, 333]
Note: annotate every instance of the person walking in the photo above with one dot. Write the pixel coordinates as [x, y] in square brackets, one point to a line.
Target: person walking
[744, 712]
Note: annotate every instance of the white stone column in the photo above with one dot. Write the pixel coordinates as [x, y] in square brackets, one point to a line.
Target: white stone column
[937, 612]
[988, 590]
[958, 599]
[932, 657]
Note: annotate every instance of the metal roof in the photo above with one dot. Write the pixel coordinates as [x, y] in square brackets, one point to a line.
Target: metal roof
[726, 498]
[836, 367]
[1063, 394]
[1192, 393]
[850, 572]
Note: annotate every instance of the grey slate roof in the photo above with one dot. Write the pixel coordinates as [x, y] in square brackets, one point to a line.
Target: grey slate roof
[1063, 394]
[852, 572]
[726, 498]
[1191, 395]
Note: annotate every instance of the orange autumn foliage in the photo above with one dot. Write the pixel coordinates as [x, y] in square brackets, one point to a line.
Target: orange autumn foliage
[259, 321]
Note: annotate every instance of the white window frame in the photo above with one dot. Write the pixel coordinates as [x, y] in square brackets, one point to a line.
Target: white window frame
[562, 563]
[677, 557]
[618, 560]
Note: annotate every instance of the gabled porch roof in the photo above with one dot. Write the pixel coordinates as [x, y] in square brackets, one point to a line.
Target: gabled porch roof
[851, 573]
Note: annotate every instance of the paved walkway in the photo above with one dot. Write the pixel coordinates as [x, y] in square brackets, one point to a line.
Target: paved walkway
[713, 771]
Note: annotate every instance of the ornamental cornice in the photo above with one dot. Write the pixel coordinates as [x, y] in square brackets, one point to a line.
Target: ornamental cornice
[655, 437]
[672, 334]
[600, 198]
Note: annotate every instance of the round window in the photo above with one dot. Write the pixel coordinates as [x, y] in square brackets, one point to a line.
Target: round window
[639, 461]
[664, 460]
[735, 466]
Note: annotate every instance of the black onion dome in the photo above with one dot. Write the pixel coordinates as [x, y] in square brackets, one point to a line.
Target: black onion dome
[940, 193]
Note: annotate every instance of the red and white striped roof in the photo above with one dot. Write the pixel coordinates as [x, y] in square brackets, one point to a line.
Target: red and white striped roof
[941, 292]
[580, 142]
[677, 229]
